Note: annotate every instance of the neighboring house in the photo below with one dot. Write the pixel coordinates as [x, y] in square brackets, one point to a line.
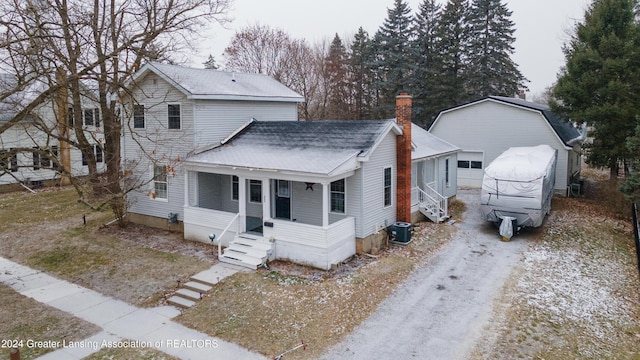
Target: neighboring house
[19, 166]
[483, 129]
[224, 154]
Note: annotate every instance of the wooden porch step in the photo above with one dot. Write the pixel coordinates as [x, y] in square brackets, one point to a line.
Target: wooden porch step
[246, 250]
[253, 237]
[241, 260]
[264, 246]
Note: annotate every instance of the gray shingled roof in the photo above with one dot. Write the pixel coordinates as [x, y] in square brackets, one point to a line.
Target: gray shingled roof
[565, 130]
[222, 85]
[428, 145]
[320, 147]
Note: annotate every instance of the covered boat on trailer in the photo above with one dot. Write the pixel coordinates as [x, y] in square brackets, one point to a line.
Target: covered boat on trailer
[517, 188]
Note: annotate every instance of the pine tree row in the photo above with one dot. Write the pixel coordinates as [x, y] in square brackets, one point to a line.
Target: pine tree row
[442, 56]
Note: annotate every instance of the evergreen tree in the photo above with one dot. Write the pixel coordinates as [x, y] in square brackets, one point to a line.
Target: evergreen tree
[491, 69]
[393, 53]
[360, 69]
[425, 52]
[211, 63]
[339, 88]
[451, 44]
[599, 83]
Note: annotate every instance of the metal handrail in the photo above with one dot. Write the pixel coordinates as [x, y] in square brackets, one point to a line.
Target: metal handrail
[224, 231]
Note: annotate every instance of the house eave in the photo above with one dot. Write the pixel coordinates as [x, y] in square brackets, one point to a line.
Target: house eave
[244, 98]
[337, 173]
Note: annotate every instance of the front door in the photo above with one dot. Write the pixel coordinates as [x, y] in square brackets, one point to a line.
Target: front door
[283, 199]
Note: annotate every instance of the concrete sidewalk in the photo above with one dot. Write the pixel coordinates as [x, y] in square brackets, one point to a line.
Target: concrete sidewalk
[122, 324]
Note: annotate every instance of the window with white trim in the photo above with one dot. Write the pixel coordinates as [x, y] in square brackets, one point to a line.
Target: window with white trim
[173, 111]
[160, 184]
[138, 116]
[91, 117]
[388, 194]
[338, 191]
[469, 164]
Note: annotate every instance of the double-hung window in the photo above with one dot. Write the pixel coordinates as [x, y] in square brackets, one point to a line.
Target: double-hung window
[388, 194]
[338, 196]
[91, 117]
[138, 116]
[160, 185]
[173, 116]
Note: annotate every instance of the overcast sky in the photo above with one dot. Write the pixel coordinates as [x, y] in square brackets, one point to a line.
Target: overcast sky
[541, 27]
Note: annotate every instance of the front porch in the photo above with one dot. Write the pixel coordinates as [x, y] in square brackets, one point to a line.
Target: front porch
[304, 219]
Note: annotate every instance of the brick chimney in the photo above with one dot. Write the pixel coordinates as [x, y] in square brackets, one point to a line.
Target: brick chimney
[403, 158]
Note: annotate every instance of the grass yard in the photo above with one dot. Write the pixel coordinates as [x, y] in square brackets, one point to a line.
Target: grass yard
[25, 319]
[129, 354]
[47, 231]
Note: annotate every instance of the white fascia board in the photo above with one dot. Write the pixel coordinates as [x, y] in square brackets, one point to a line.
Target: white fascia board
[267, 173]
[244, 98]
[392, 126]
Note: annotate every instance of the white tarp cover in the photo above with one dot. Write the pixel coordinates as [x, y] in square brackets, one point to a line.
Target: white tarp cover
[519, 183]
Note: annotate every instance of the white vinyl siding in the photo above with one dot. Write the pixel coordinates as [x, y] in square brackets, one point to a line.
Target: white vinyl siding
[374, 215]
[491, 128]
[221, 118]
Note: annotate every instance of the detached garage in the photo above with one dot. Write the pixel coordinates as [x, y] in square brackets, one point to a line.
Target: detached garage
[484, 128]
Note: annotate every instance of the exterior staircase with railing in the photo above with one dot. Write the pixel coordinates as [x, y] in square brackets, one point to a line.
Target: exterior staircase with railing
[432, 204]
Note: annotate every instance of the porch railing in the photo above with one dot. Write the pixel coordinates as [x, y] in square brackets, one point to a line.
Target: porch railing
[235, 219]
[431, 196]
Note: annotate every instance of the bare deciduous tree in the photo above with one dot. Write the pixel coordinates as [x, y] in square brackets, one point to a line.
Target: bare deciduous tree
[263, 50]
[62, 48]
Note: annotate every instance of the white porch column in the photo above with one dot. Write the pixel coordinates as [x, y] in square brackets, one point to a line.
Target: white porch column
[242, 203]
[325, 204]
[266, 199]
[186, 188]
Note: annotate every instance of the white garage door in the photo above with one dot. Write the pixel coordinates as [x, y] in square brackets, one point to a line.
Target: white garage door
[470, 168]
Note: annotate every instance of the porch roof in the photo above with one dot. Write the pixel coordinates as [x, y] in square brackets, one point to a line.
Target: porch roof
[321, 147]
[427, 145]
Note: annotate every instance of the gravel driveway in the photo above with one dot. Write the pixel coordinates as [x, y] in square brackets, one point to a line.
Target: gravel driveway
[441, 309]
